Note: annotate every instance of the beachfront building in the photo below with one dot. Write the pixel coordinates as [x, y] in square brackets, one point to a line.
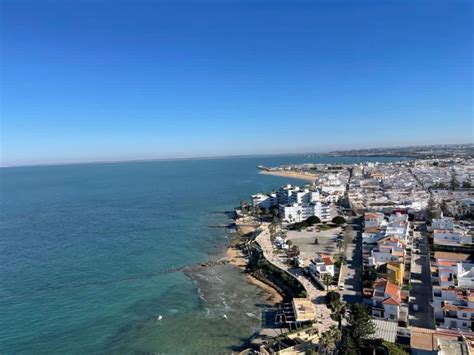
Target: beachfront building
[265, 201]
[303, 310]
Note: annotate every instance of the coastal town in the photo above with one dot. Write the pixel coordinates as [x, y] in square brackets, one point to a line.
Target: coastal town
[373, 257]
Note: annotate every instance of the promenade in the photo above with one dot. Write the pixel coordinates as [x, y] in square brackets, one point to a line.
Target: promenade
[323, 313]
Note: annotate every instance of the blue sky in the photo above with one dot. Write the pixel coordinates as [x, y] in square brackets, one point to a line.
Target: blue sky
[117, 80]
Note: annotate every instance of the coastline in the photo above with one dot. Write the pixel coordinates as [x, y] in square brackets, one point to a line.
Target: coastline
[291, 174]
[235, 257]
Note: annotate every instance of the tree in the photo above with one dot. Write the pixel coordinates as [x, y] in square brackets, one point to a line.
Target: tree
[340, 245]
[432, 211]
[332, 296]
[466, 184]
[454, 183]
[348, 345]
[393, 349]
[313, 220]
[327, 279]
[338, 220]
[338, 312]
[359, 325]
[328, 340]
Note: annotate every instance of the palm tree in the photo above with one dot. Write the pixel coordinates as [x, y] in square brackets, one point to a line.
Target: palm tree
[328, 340]
[327, 279]
[338, 312]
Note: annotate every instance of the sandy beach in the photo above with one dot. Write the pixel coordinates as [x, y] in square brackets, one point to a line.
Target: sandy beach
[235, 257]
[291, 174]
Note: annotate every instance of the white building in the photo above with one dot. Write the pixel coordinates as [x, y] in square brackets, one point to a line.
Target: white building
[386, 300]
[389, 249]
[320, 265]
[290, 194]
[453, 293]
[451, 238]
[293, 213]
[446, 223]
[374, 219]
[265, 201]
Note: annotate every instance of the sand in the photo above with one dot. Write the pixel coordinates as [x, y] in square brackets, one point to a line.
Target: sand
[291, 174]
[235, 257]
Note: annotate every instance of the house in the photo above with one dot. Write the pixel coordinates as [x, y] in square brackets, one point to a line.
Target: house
[451, 238]
[398, 229]
[374, 219]
[320, 265]
[453, 291]
[448, 256]
[458, 311]
[389, 249]
[372, 235]
[386, 300]
[395, 271]
[443, 223]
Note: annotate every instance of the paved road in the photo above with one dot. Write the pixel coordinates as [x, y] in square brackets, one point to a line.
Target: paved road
[421, 293]
[323, 313]
[353, 277]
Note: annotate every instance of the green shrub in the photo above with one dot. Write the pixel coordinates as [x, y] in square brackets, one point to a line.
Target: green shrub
[338, 220]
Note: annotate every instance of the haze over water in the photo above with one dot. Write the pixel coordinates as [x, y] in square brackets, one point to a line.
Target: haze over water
[84, 249]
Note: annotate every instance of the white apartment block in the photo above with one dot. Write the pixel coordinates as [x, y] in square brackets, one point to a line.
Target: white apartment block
[293, 213]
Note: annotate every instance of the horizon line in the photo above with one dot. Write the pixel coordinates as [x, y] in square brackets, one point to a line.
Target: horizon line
[222, 156]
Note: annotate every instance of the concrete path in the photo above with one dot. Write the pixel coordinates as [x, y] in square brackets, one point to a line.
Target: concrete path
[323, 313]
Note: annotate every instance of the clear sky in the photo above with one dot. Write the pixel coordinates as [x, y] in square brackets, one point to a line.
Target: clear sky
[116, 80]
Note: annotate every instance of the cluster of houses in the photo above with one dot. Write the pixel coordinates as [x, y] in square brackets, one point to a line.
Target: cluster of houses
[381, 187]
[294, 203]
[384, 251]
[452, 274]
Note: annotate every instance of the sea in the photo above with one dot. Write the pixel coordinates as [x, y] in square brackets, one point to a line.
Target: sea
[89, 252]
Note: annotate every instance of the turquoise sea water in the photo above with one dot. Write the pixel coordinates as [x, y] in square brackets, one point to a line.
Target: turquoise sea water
[83, 249]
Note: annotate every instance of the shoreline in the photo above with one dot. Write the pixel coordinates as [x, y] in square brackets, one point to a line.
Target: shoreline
[235, 257]
[291, 174]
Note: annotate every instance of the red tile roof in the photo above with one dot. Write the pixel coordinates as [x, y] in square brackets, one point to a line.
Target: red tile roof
[391, 300]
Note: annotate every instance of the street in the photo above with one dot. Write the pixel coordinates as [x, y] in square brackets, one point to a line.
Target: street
[352, 292]
[420, 293]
